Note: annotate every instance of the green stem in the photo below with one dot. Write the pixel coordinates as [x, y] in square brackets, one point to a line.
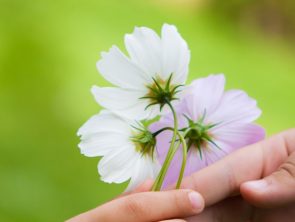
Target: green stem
[160, 178]
[184, 156]
[161, 130]
[165, 167]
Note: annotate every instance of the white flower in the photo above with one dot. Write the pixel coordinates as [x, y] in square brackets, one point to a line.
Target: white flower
[127, 151]
[151, 59]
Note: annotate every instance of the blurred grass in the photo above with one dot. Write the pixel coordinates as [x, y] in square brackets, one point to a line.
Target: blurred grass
[48, 51]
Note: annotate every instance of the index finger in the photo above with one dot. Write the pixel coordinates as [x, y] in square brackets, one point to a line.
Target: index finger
[253, 162]
[147, 206]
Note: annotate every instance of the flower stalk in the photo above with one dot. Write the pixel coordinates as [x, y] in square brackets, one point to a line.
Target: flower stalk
[171, 152]
[184, 157]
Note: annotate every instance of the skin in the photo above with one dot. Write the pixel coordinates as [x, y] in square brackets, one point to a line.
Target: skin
[253, 184]
[256, 183]
[146, 206]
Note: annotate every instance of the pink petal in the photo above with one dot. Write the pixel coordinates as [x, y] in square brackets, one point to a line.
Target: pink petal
[237, 135]
[194, 162]
[204, 95]
[235, 106]
[213, 154]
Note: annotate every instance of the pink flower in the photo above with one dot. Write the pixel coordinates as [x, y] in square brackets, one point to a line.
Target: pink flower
[216, 122]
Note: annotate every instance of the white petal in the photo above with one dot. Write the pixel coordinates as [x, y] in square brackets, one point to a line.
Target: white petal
[123, 102]
[115, 67]
[136, 177]
[99, 144]
[103, 133]
[144, 48]
[175, 55]
[104, 122]
[144, 169]
[118, 166]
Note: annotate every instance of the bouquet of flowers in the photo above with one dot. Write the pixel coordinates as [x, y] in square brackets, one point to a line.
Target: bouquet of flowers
[153, 126]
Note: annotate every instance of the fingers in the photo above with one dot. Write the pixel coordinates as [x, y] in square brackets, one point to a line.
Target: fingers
[275, 190]
[148, 206]
[224, 178]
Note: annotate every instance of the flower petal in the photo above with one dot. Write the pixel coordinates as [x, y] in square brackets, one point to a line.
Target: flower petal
[115, 67]
[104, 122]
[144, 48]
[123, 102]
[117, 167]
[194, 162]
[212, 153]
[203, 95]
[99, 144]
[231, 138]
[234, 136]
[235, 107]
[145, 168]
[175, 55]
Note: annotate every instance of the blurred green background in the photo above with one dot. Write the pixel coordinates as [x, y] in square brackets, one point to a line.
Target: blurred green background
[48, 51]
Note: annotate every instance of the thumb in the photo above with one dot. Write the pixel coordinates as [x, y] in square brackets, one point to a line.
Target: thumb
[275, 190]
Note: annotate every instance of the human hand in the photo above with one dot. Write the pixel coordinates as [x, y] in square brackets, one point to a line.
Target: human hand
[146, 206]
[256, 183]
[220, 184]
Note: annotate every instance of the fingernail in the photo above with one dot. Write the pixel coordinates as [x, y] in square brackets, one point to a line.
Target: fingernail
[196, 201]
[257, 184]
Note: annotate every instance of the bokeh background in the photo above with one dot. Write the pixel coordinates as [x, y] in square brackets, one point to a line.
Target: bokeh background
[48, 51]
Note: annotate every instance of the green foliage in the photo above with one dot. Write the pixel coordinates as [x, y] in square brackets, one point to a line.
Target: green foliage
[48, 51]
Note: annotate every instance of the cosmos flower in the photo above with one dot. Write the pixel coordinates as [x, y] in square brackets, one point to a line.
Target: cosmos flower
[126, 147]
[145, 80]
[215, 123]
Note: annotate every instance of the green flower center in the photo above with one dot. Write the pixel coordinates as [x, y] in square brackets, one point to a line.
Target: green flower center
[144, 141]
[198, 134]
[161, 92]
